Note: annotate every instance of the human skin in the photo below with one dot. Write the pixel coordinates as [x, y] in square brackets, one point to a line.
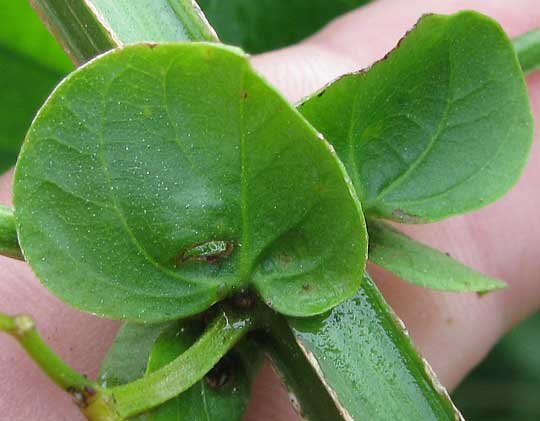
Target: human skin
[453, 331]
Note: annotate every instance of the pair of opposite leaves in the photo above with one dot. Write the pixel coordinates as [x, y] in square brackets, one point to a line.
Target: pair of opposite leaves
[158, 179]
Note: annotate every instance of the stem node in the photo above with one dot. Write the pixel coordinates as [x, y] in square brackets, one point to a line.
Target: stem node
[98, 406]
[23, 325]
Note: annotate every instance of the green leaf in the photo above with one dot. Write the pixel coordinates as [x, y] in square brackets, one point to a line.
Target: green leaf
[30, 66]
[423, 265]
[87, 28]
[368, 363]
[222, 395]
[307, 394]
[264, 25]
[149, 152]
[440, 127]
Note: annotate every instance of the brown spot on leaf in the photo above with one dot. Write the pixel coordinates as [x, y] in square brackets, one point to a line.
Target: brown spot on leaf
[405, 217]
[208, 251]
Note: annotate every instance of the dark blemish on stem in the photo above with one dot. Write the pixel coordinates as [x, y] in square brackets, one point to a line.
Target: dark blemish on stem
[82, 397]
[320, 94]
[151, 45]
[209, 251]
[244, 95]
[306, 287]
[89, 391]
[221, 374]
[448, 254]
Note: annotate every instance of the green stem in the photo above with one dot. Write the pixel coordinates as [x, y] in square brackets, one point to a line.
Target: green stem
[528, 50]
[9, 245]
[86, 28]
[182, 373]
[23, 329]
[310, 398]
[193, 20]
[121, 402]
[76, 28]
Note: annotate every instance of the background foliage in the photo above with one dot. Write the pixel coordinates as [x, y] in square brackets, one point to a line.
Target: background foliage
[264, 25]
[31, 64]
[506, 384]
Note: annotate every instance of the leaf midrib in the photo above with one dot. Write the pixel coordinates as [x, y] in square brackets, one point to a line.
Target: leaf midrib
[441, 126]
[245, 266]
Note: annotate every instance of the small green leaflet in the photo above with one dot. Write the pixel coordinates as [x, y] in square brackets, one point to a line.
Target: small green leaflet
[368, 363]
[139, 349]
[423, 265]
[153, 150]
[440, 127]
[222, 395]
[263, 25]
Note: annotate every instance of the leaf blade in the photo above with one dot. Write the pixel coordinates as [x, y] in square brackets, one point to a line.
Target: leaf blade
[456, 127]
[107, 208]
[422, 265]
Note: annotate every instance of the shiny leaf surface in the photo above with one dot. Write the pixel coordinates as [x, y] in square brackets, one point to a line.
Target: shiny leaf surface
[307, 394]
[365, 358]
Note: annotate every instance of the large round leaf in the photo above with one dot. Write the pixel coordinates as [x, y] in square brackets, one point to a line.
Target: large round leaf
[159, 179]
[440, 127]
